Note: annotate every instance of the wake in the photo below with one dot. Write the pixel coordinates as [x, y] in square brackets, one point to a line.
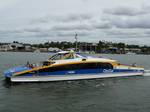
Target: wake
[146, 72]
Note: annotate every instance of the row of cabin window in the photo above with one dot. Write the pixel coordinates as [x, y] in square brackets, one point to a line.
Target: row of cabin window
[78, 66]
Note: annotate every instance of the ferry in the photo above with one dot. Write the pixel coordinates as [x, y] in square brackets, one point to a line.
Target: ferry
[69, 65]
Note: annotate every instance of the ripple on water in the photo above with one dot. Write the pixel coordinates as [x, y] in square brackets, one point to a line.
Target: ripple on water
[126, 94]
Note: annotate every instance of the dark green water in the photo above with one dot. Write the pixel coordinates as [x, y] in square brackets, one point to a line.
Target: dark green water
[130, 94]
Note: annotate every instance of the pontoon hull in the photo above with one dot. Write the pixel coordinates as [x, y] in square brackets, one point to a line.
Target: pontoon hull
[70, 77]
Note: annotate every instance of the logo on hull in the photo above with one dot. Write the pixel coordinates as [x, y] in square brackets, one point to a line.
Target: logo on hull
[108, 70]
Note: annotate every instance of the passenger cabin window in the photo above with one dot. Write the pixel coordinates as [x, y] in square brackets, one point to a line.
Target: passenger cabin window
[78, 66]
[62, 56]
[55, 57]
[46, 63]
[105, 65]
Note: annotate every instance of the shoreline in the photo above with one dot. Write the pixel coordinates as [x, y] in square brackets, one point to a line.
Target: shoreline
[80, 52]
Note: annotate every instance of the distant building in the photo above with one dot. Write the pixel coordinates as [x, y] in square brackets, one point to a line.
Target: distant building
[43, 49]
[135, 50]
[53, 49]
[17, 46]
[6, 47]
[71, 49]
[28, 48]
[112, 50]
[91, 47]
[132, 50]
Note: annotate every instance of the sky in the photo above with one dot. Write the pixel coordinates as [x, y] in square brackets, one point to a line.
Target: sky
[38, 21]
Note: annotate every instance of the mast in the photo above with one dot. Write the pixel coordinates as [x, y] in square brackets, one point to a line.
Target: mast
[76, 42]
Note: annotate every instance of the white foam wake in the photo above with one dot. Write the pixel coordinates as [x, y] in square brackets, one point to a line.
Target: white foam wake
[146, 72]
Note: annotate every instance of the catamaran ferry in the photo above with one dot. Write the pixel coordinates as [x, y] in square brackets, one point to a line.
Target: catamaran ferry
[68, 65]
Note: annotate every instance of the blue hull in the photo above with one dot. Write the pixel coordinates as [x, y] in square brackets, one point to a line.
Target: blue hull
[10, 72]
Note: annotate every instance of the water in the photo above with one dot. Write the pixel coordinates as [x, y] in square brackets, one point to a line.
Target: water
[127, 94]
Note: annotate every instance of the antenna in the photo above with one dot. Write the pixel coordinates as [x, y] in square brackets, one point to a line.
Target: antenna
[76, 42]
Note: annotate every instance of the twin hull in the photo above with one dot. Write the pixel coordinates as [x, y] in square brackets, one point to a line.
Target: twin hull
[73, 75]
[70, 77]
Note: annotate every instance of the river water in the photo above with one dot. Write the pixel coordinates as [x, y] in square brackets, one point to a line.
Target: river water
[128, 94]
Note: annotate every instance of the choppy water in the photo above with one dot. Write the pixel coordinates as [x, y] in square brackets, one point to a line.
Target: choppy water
[128, 94]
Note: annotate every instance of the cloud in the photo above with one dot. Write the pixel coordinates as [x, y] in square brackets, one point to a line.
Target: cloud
[125, 18]
[72, 34]
[128, 33]
[127, 11]
[72, 17]
[141, 22]
[125, 24]
[68, 27]
[101, 24]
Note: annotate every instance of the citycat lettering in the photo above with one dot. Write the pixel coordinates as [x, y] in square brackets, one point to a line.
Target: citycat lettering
[107, 70]
[71, 72]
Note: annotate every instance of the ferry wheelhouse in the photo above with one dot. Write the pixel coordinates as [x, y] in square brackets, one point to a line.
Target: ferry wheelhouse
[68, 65]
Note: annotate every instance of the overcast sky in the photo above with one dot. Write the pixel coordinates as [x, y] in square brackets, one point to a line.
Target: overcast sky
[38, 21]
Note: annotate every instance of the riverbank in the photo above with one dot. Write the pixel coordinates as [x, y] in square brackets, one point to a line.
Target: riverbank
[85, 47]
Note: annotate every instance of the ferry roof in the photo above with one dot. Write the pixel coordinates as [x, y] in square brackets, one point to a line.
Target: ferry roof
[63, 52]
[79, 55]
